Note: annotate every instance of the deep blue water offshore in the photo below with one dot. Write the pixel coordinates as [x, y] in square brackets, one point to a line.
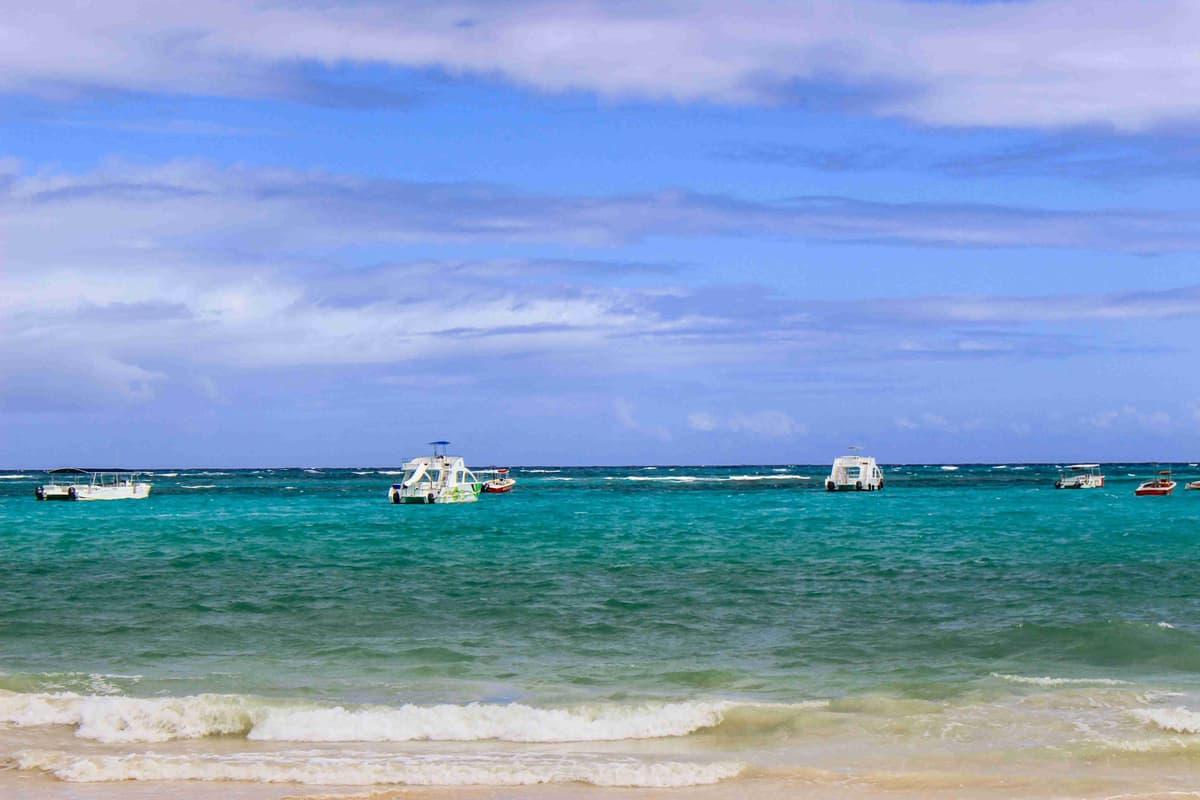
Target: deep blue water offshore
[591, 604]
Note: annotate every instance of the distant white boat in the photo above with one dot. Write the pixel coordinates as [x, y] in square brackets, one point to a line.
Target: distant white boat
[1192, 486]
[438, 478]
[1080, 476]
[99, 484]
[854, 473]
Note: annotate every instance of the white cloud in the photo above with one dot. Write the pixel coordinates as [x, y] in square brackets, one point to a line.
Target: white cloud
[936, 422]
[768, 424]
[1038, 63]
[1130, 415]
[624, 412]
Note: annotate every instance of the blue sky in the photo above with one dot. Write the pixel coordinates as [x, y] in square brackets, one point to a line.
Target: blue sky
[255, 233]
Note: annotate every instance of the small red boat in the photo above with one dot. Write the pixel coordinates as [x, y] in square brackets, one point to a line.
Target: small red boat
[1159, 487]
[501, 484]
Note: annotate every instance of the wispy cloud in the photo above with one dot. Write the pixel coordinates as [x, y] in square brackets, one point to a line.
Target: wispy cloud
[1094, 156]
[1157, 420]
[245, 210]
[1042, 63]
[624, 412]
[184, 269]
[770, 424]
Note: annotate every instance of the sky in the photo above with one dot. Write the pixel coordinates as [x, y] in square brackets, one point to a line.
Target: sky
[255, 233]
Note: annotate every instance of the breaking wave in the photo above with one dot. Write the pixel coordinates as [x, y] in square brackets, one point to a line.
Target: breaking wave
[1176, 720]
[119, 719]
[1047, 681]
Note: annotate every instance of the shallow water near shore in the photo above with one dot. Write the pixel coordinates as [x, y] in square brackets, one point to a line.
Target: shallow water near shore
[964, 632]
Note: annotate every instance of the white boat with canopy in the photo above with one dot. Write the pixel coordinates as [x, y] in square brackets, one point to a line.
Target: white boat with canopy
[1080, 476]
[75, 483]
[854, 473]
[438, 478]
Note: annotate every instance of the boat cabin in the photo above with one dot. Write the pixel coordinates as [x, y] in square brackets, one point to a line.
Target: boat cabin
[1080, 476]
[854, 473]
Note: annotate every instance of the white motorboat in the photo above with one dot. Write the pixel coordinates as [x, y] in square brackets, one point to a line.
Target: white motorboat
[502, 482]
[94, 484]
[854, 473]
[438, 478]
[1080, 476]
[1160, 486]
[1194, 485]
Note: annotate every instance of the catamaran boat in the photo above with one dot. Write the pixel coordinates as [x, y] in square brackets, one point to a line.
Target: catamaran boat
[1080, 476]
[1158, 487]
[854, 473]
[94, 484]
[502, 483]
[438, 478]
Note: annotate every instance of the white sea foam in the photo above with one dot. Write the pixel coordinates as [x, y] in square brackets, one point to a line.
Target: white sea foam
[391, 472]
[129, 719]
[167, 474]
[950, 468]
[212, 473]
[1166, 625]
[658, 478]
[13, 477]
[369, 769]
[541, 470]
[197, 486]
[1000, 466]
[780, 477]
[511, 723]
[1178, 720]
[356, 472]
[1047, 681]
[553, 478]
[706, 478]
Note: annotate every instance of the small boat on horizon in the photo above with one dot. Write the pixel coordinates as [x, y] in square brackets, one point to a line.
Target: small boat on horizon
[1160, 486]
[1191, 486]
[101, 484]
[1080, 476]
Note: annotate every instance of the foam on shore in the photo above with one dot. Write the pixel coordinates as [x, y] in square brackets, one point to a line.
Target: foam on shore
[370, 769]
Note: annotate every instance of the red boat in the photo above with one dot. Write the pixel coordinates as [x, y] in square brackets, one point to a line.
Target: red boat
[501, 484]
[1159, 487]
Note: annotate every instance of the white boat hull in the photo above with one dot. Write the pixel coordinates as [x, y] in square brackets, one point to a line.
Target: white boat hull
[1082, 482]
[462, 493]
[81, 492]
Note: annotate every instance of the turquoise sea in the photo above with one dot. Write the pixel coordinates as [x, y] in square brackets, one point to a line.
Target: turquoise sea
[616, 626]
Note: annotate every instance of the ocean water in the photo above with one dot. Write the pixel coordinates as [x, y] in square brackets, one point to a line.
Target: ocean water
[611, 627]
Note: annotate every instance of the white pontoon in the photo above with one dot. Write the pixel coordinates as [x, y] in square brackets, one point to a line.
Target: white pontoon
[438, 478]
[854, 473]
[1080, 476]
[94, 484]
